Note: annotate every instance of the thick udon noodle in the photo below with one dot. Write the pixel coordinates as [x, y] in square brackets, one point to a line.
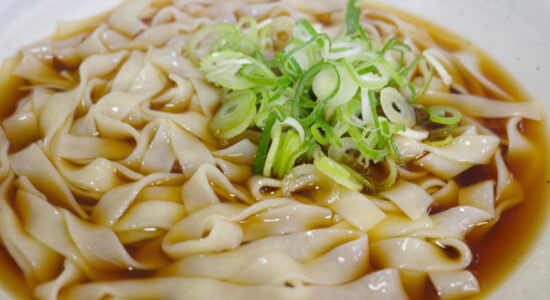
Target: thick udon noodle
[115, 188]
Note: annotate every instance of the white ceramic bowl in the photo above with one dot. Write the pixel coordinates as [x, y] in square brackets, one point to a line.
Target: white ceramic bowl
[514, 32]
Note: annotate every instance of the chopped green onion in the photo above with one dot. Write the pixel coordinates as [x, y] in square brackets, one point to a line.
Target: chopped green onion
[273, 149]
[439, 142]
[445, 115]
[260, 75]
[302, 85]
[367, 107]
[353, 14]
[303, 30]
[392, 175]
[305, 56]
[325, 83]
[337, 172]
[331, 136]
[223, 67]
[373, 104]
[347, 88]
[261, 154]
[336, 103]
[364, 181]
[396, 108]
[265, 41]
[443, 130]
[321, 140]
[445, 76]
[394, 152]
[235, 115]
[375, 76]
[287, 152]
[401, 82]
[252, 31]
[387, 45]
[296, 125]
[196, 52]
[426, 81]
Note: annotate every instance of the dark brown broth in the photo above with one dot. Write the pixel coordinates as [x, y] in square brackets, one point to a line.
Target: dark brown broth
[475, 174]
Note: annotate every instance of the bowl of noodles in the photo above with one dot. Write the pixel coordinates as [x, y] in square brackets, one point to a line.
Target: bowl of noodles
[273, 150]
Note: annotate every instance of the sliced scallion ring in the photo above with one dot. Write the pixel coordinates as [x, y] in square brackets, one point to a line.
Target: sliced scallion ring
[287, 153]
[392, 175]
[347, 88]
[303, 30]
[228, 42]
[273, 149]
[263, 146]
[202, 41]
[300, 59]
[360, 178]
[444, 130]
[302, 85]
[252, 31]
[325, 82]
[321, 140]
[260, 75]
[337, 172]
[396, 107]
[353, 13]
[223, 68]
[366, 71]
[438, 142]
[235, 115]
[445, 115]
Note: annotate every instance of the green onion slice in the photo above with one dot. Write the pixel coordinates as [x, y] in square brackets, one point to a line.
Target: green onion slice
[203, 40]
[396, 108]
[445, 115]
[337, 172]
[444, 130]
[302, 85]
[438, 142]
[353, 14]
[303, 31]
[235, 115]
[392, 175]
[305, 56]
[367, 71]
[261, 154]
[252, 31]
[287, 152]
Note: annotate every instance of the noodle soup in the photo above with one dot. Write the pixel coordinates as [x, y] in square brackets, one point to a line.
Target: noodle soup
[115, 186]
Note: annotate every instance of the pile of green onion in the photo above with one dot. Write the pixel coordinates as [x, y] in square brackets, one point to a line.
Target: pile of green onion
[335, 103]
